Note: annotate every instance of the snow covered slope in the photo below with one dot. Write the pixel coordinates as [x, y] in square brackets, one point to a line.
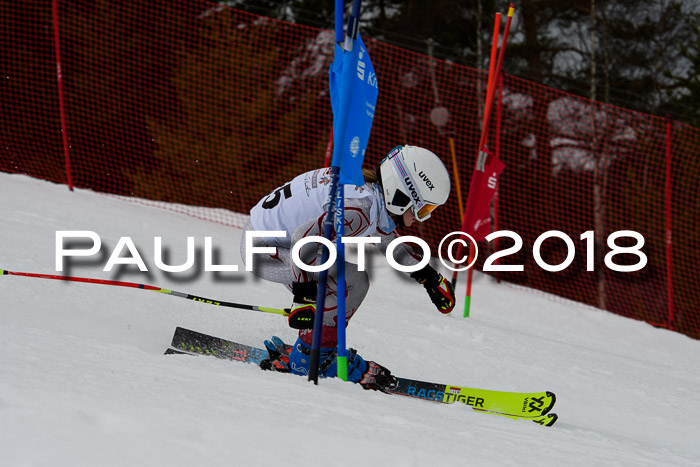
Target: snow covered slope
[84, 382]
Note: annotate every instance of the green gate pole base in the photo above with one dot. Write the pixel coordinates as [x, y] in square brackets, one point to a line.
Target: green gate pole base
[343, 368]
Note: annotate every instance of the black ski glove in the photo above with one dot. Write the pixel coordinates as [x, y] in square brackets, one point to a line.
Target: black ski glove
[301, 315]
[377, 378]
[439, 289]
[277, 355]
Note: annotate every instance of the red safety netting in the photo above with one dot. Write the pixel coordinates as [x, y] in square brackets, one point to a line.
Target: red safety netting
[193, 103]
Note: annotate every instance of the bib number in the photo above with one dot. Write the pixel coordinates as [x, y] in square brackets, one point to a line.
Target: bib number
[274, 199]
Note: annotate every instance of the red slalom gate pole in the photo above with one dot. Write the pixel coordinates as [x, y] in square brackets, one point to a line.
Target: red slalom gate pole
[669, 243]
[61, 100]
[497, 153]
[492, 68]
[329, 151]
[491, 91]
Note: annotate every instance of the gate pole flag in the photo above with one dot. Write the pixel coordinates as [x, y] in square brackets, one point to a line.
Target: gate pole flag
[354, 91]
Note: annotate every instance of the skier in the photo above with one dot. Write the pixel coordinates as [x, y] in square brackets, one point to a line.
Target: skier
[408, 185]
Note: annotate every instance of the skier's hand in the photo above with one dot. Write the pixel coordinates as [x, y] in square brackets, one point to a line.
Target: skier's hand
[301, 315]
[277, 356]
[377, 378]
[440, 290]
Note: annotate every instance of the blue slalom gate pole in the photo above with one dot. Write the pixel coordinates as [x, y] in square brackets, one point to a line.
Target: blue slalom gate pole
[339, 133]
[342, 363]
[354, 91]
[342, 358]
[315, 353]
[339, 36]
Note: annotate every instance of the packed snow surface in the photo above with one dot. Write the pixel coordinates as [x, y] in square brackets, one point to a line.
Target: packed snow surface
[84, 382]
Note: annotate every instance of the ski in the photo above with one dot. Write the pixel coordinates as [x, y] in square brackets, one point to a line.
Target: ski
[187, 341]
[522, 405]
[529, 406]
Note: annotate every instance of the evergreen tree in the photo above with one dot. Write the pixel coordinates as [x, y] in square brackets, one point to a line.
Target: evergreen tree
[685, 92]
[641, 51]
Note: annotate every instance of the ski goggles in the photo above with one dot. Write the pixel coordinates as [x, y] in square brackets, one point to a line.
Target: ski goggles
[424, 212]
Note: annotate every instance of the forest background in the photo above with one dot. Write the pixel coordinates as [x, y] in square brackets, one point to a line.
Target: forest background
[638, 54]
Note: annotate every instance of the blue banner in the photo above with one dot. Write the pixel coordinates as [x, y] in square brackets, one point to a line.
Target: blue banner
[354, 91]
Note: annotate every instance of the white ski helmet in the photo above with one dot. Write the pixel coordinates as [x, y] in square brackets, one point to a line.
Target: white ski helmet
[414, 178]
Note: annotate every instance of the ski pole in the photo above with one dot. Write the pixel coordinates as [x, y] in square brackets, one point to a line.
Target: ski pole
[196, 298]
